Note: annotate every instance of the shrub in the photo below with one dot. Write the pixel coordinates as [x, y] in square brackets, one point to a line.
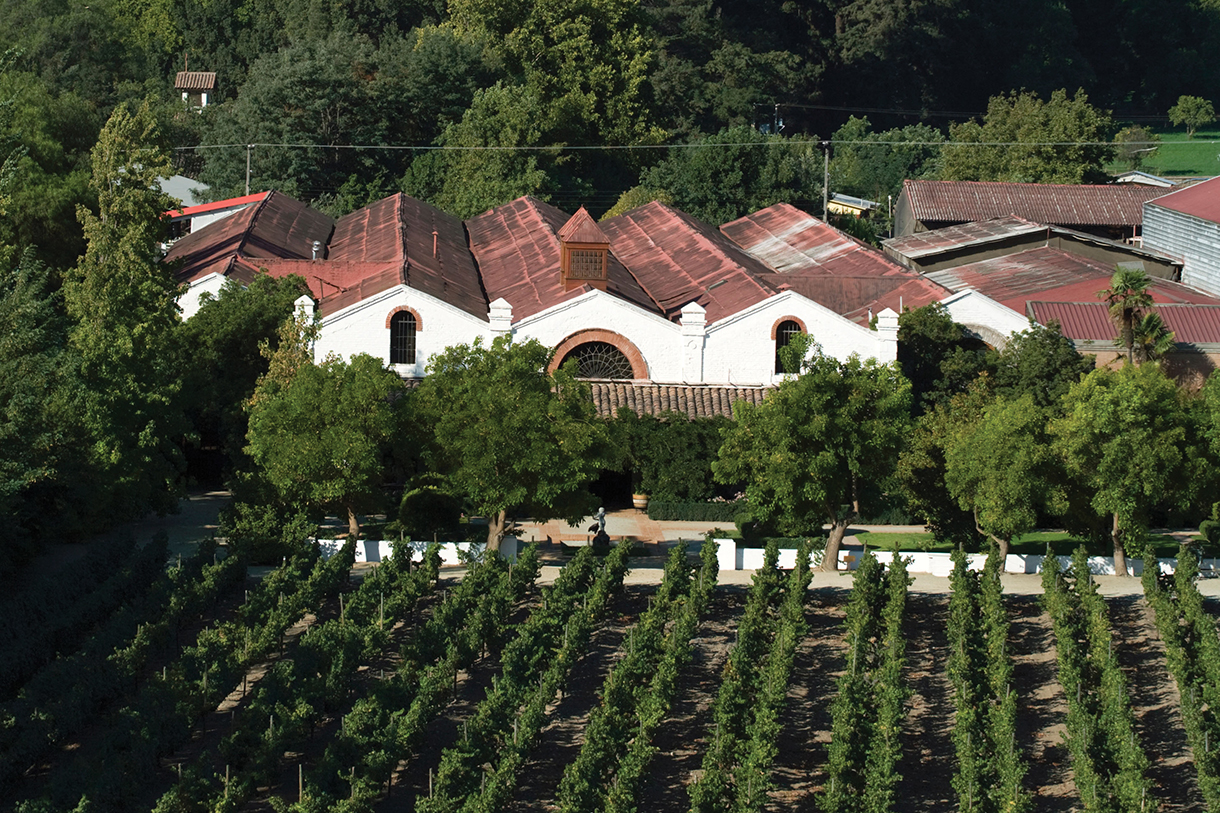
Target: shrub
[663, 510]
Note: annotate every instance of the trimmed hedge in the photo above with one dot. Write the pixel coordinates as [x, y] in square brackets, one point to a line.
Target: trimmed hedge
[695, 511]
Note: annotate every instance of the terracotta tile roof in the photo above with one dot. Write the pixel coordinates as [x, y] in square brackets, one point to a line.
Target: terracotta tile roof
[791, 241]
[517, 250]
[979, 233]
[195, 80]
[1083, 321]
[653, 399]
[1112, 205]
[1202, 200]
[679, 260]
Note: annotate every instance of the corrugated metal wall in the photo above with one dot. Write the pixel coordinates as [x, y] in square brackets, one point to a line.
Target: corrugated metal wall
[1195, 241]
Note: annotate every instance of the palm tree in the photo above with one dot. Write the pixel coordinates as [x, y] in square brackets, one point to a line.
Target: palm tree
[1127, 297]
[1151, 338]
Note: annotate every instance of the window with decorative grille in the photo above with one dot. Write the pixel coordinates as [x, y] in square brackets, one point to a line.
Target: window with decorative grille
[586, 263]
[783, 335]
[599, 360]
[402, 338]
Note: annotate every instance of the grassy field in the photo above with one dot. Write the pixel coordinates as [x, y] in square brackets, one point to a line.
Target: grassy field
[1179, 156]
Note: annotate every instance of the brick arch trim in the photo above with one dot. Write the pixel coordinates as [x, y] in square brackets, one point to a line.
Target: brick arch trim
[800, 323]
[639, 368]
[419, 323]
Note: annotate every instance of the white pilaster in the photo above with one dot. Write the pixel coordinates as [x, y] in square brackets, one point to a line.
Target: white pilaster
[500, 315]
[694, 337]
[887, 336]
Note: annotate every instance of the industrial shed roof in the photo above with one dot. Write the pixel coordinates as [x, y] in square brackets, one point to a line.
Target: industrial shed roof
[966, 235]
[1112, 205]
[1202, 200]
[1083, 321]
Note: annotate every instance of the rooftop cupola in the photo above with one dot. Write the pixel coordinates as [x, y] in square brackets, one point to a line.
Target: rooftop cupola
[584, 252]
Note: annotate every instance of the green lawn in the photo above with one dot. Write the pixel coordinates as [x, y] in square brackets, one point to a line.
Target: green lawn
[1034, 543]
[1178, 156]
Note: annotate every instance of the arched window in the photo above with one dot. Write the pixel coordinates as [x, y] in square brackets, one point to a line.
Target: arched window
[599, 360]
[783, 335]
[402, 338]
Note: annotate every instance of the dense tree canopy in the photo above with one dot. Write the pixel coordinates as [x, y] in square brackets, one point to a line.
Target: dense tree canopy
[814, 448]
[510, 436]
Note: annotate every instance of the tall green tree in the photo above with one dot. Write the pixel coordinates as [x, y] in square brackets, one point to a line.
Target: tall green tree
[1194, 112]
[1128, 298]
[1040, 362]
[222, 341]
[1002, 469]
[44, 477]
[937, 355]
[320, 436]
[511, 437]
[873, 165]
[737, 171]
[919, 471]
[1023, 138]
[1122, 437]
[810, 452]
[122, 301]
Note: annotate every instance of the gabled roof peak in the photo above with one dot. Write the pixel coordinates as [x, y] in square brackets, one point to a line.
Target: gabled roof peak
[581, 228]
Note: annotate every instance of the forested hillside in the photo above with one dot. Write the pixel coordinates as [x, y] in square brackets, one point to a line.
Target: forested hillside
[636, 74]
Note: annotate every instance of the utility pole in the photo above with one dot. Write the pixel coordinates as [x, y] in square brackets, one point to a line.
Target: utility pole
[248, 148]
[825, 181]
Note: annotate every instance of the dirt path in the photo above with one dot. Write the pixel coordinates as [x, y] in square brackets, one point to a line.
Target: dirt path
[560, 741]
[1155, 703]
[1041, 707]
[799, 766]
[928, 755]
[682, 737]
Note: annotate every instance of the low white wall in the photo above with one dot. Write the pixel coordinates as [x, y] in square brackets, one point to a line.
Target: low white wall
[732, 557]
[372, 550]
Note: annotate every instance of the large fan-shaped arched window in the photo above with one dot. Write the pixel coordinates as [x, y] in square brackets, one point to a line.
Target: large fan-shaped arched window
[402, 338]
[783, 336]
[599, 360]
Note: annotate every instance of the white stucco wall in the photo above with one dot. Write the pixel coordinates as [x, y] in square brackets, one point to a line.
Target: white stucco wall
[974, 310]
[740, 349]
[189, 300]
[361, 328]
[658, 340]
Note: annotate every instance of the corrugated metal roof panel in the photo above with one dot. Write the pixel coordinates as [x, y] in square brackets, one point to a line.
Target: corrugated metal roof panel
[923, 244]
[1113, 205]
[1085, 321]
[791, 241]
[1201, 200]
[517, 249]
[678, 260]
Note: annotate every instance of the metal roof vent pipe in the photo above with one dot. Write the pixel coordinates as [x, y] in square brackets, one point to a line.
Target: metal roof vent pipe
[434, 246]
[317, 246]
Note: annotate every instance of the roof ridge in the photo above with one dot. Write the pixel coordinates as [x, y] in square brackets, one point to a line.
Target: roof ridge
[258, 208]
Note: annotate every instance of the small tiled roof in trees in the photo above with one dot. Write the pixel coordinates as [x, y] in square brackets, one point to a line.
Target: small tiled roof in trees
[694, 401]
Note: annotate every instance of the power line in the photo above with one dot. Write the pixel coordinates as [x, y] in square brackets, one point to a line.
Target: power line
[810, 142]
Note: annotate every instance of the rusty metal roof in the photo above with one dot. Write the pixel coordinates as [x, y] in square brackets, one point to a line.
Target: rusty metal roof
[275, 227]
[678, 259]
[1050, 274]
[691, 400]
[1113, 205]
[195, 80]
[966, 235]
[581, 228]
[791, 241]
[425, 245]
[1090, 321]
[517, 249]
[1202, 200]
